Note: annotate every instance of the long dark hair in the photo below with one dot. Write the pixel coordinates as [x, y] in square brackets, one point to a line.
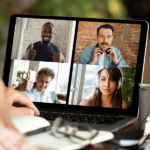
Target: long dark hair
[116, 75]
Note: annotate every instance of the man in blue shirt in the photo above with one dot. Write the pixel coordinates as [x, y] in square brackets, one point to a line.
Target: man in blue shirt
[38, 91]
[44, 50]
[103, 53]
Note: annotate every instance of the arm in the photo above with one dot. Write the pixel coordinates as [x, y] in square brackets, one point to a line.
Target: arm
[122, 63]
[27, 85]
[85, 102]
[53, 96]
[86, 56]
[124, 104]
[15, 102]
[30, 53]
[58, 56]
[10, 138]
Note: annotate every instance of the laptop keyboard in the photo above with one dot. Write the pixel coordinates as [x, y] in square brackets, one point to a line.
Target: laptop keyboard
[81, 118]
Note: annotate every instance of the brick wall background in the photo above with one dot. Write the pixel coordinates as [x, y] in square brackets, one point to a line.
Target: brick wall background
[62, 30]
[126, 39]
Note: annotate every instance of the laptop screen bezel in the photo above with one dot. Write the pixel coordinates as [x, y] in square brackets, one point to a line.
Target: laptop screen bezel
[78, 109]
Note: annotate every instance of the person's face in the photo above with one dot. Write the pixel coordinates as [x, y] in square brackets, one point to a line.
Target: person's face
[46, 34]
[106, 85]
[43, 82]
[105, 37]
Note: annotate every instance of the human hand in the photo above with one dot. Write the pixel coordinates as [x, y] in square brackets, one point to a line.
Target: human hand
[27, 85]
[31, 53]
[17, 103]
[58, 56]
[112, 55]
[8, 131]
[96, 54]
[10, 100]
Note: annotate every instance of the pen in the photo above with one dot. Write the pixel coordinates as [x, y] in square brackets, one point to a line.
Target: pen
[40, 130]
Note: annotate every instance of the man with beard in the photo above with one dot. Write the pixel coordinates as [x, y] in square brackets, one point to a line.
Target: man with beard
[103, 53]
[44, 50]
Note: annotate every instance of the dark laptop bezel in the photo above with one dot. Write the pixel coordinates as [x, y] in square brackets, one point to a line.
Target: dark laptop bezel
[140, 64]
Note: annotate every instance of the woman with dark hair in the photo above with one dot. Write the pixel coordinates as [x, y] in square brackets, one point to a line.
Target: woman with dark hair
[108, 93]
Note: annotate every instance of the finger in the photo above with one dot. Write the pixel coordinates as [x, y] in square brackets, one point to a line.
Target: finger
[99, 51]
[97, 48]
[110, 51]
[29, 87]
[28, 76]
[32, 58]
[59, 49]
[21, 98]
[15, 111]
[32, 51]
[31, 47]
[33, 55]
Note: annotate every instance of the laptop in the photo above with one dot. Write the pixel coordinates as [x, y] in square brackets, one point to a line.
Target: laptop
[74, 81]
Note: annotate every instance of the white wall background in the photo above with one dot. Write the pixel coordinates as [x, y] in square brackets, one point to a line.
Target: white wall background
[61, 71]
[28, 30]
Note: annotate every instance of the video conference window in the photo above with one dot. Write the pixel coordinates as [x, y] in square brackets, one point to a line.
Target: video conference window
[108, 44]
[43, 39]
[104, 67]
[110, 86]
[45, 82]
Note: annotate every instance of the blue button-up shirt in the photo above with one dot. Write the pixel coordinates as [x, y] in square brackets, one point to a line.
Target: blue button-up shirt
[87, 56]
[45, 97]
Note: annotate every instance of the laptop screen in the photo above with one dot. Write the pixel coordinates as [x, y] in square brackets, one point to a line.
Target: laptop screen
[76, 64]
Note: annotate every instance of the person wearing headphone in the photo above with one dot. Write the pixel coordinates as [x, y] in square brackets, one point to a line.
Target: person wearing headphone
[108, 92]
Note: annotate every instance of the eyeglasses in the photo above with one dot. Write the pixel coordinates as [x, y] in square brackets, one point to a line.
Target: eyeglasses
[76, 134]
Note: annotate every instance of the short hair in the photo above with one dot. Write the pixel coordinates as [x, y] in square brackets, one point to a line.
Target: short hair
[47, 23]
[106, 26]
[47, 71]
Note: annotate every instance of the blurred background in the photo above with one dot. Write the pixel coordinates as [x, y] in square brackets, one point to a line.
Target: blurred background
[117, 9]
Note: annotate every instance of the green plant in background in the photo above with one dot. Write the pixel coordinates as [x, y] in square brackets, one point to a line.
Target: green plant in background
[78, 8]
[128, 83]
[57, 101]
[19, 75]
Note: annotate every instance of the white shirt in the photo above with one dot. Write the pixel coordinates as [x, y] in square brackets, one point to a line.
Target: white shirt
[45, 97]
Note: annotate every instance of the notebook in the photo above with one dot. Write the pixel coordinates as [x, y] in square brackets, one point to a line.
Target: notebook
[76, 78]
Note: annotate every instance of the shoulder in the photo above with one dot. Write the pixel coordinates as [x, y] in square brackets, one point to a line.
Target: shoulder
[116, 49]
[85, 102]
[53, 45]
[86, 55]
[38, 42]
[89, 49]
[124, 104]
[35, 44]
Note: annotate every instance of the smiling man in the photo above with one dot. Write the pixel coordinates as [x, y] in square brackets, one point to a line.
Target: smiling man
[44, 50]
[38, 91]
[103, 53]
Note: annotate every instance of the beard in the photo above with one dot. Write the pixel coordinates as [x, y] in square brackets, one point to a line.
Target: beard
[46, 42]
[104, 44]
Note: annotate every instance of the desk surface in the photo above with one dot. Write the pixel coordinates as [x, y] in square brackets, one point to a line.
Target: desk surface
[133, 126]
